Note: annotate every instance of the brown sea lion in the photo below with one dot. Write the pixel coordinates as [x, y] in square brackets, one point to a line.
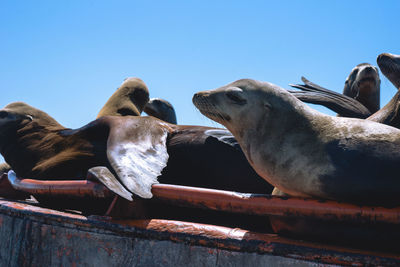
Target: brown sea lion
[304, 152]
[29, 111]
[129, 99]
[127, 153]
[161, 109]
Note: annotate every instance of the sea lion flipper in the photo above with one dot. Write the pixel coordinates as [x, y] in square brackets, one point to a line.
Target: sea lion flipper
[223, 136]
[104, 175]
[137, 152]
[343, 105]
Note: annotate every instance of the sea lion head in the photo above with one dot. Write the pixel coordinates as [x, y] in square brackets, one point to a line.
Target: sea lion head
[129, 99]
[18, 114]
[247, 105]
[363, 84]
[11, 120]
[390, 67]
[161, 109]
[34, 114]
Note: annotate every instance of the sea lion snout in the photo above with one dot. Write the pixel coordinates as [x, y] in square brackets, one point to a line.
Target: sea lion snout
[210, 105]
[9, 116]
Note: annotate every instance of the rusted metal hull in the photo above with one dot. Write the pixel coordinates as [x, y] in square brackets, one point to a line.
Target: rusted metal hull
[34, 236]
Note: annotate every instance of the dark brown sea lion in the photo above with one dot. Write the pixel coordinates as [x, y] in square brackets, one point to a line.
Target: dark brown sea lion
[127, 153]
[42, 117]
[129, 99]
[304, 152]
[161, 109]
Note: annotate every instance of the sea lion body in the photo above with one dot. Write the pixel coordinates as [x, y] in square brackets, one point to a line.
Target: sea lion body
[134, 149]
[304, 152]
[198, 158]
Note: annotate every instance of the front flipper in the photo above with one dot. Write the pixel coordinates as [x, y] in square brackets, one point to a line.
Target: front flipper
[136, 150]
[104, 175]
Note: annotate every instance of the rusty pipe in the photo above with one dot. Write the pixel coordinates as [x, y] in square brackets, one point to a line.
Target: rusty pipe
[79, 188]
[226, 201]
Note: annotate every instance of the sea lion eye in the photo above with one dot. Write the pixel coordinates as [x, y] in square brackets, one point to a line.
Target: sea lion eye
[235, 97]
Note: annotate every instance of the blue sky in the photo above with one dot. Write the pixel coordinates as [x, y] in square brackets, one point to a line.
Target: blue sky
[68, 57]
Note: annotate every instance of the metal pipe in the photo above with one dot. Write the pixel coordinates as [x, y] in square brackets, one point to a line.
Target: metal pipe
[79, 188]
[226, 201]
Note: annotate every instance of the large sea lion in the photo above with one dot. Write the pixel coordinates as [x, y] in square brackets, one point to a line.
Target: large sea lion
[125, 153]
[304, 152]
[161, 109]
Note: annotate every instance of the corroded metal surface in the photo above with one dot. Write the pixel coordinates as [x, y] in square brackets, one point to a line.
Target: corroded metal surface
[34, 236]
[226, 201]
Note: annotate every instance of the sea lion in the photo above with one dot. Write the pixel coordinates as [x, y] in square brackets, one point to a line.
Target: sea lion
[349, 107]
[125, 153]
[40, 151]
[41, 116]
[390, 113]
[390, 67]
[360, 98]
[161, 109]
[129, 99]
[304, 152]
[363, 84]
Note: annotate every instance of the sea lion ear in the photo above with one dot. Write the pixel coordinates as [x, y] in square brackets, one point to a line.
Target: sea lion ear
[136, 150]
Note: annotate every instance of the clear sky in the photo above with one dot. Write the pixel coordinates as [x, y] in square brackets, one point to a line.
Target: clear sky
[68, 57]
